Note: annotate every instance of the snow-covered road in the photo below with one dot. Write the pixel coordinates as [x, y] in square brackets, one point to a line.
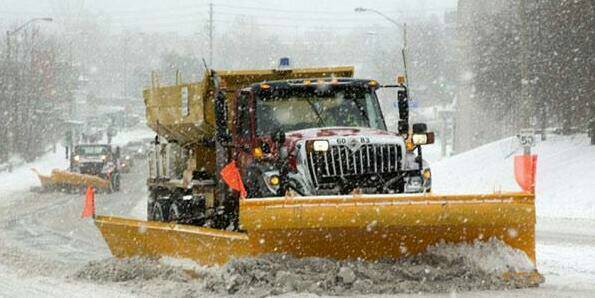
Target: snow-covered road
[43, 240]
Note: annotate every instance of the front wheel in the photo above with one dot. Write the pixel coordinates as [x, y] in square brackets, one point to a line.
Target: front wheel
[158, 212]
[174, 212]
[116, 182]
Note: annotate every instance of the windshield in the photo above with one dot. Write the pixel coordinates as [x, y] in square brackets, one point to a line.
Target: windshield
[354, 107]
[91, 150]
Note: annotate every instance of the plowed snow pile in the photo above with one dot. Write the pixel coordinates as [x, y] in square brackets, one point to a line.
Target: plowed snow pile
[443, 268]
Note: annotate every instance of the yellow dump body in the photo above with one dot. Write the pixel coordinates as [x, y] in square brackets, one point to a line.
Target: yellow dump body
[185, 112]
[369, 227]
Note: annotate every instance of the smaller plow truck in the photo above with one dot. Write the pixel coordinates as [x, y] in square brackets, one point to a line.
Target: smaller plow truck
[90, 165]
[298, 161]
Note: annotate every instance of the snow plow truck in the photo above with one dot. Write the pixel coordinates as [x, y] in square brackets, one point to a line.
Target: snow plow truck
[298, 161]
[90, 165]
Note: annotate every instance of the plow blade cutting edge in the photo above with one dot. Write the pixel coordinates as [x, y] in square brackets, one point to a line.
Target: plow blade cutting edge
[366, 227]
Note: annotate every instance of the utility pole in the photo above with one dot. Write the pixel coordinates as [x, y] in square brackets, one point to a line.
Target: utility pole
[527, 106]
[210, 34]
[7, 45]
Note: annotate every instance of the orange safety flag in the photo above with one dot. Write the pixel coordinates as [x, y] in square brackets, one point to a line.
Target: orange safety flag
[89, 209]
[233, 179]
[525, 170]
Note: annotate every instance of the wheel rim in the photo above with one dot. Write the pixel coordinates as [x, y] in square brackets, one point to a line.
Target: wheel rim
[174, 213]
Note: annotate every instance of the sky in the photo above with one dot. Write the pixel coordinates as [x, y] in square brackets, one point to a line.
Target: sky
[186, 16]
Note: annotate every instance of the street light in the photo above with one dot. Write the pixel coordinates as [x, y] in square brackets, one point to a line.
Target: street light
[362, 9]
[401, 26]
[19, 28]
[29, 22]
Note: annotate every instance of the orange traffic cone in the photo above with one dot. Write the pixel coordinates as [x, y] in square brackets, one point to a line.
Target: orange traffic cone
[89, 209]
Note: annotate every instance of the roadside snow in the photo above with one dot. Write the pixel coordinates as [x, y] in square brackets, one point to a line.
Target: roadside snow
[492, 256]
[565, 184]
[442, 269]
[567, 267]
[41, 286]
[22, 178]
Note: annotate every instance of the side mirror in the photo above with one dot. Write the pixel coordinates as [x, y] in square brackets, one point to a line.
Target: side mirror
[421, 136]
[419, 128]
[279, 136]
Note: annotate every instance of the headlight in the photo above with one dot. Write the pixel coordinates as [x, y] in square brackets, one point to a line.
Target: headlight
[103, 157]
[419, 139]
[320, 145]
[127, 157]
[275, 180]
[413, 184]
[272, 180]
[77, 158]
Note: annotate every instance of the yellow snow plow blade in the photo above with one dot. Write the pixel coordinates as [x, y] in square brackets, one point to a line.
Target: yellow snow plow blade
[129, 238]
[373, 227]
[368, 227]
[59, 178]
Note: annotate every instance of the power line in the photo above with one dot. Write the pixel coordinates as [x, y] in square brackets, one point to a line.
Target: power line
[321, 19]
[404, 11]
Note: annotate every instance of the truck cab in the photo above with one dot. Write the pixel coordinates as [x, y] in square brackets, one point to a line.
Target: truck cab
[325, 136]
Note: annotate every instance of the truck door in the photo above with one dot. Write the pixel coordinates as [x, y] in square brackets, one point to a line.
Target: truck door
[243, 129]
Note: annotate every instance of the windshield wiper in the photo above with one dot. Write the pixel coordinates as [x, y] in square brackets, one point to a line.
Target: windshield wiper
[362, 111]
[320, 120]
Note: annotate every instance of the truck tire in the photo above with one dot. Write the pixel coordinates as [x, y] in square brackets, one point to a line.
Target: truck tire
[116, 182]
[112, 187]
[151, 204]
[255, 185]
[174, 212]
[158, 213]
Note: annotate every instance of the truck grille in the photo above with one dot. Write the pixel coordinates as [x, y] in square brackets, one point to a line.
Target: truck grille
[91, 168]
[342, 162]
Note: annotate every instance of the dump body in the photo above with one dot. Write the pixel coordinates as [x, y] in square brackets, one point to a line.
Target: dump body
[185, 113]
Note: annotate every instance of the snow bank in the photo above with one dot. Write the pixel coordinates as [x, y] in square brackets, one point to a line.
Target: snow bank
[492, 256]
[565, 184]
[442, 269]
[22, 178]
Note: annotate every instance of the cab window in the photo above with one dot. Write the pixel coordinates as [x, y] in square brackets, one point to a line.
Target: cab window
[243, 118]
